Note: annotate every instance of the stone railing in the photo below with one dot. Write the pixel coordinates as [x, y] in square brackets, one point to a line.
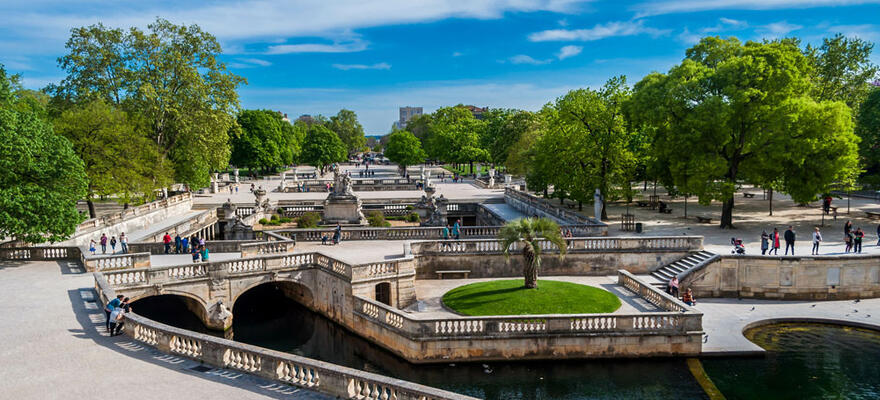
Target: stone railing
[319, 376]
[116, 262]
[401, 233]
[378, 270]
[39, 253]
[216, 246]
[578, 245]
[533, 205]
[94, 224]
[650, 293]
[268, 247]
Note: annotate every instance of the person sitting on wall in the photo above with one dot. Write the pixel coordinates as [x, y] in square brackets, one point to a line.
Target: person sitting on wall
[688, 298]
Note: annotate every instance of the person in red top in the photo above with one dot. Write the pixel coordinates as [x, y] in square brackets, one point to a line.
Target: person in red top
[774, 237]
[167, 240]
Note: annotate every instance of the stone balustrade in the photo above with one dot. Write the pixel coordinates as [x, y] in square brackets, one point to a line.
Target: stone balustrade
[116, 262]
[533, 205]
[95, 224]
[577, 245]
[401, 233]
[650, 293]
[268, 247]
[319, 376]
[39, 253]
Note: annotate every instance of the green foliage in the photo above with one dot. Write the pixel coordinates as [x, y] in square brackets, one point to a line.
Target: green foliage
[308, 220]
[454, 136]
[868, 129]
[345, 124]
[262, 139]
[41, 177]
[263, 221]
[120, 161]
[404, 149]
[842, 70]
[413, 217]
[322, 147]
[733, 111]
[169, 78]
[509, 297]
[377, 220]
[530, 231]
[274, 217]
[503, 129]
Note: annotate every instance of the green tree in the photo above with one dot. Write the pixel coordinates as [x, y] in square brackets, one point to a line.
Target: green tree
[170, 79]
[530, 232]
[454, 136]
[41, 178]
[120, 162]
[322, 147]
[868, 129]
[345, 124]
[503, 128]
[842, 69]
[733, 112]
[259, 140]
[404, 149]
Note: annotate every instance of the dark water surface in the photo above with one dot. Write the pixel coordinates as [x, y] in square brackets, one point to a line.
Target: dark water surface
[804, 361]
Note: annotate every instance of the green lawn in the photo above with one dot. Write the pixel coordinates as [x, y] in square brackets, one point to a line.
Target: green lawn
[510, 297]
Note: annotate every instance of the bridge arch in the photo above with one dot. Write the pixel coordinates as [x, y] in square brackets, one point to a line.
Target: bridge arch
[292, 288]
[163, 307]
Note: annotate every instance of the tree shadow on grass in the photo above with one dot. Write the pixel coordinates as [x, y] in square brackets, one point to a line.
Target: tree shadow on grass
[90, 315]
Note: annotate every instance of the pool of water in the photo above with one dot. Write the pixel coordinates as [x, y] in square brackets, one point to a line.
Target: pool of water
[805, 361]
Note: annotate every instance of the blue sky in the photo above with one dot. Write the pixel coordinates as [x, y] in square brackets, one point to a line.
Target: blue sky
[317, 56]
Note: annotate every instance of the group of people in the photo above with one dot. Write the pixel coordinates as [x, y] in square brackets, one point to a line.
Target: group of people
[672, 287]
[115, 312]
[104, 241]
[852, 239]
[336, 238]
[366, 173]
[455, 231]
[182, 245]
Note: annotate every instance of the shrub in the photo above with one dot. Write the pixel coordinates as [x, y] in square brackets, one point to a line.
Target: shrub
[308, 220]
[274, 217]
[284, 220]
[412, 217]
[377, 219]
[263, 221]
[409, 208]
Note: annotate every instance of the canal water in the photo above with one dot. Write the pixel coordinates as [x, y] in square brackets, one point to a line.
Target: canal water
[804, 362]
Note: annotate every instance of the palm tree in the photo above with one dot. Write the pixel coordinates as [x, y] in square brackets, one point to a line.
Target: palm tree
[530, 231]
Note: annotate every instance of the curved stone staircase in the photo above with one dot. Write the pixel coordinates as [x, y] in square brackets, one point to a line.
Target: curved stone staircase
[682, 267]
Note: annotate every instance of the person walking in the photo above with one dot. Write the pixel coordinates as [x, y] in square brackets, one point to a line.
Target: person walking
[113, 245]
[672, 286]
[184, 245]
[204, 253]
[167, 241]
[103, 243]
[765, 242]
[817, 238]
[176, 243]
[789, 239]
[123, 241]
[848, 240]
[445, 232]
[857, 240]
[337, 234]
[195, 253]
[92, 245]
[456, 230]
[774, 238]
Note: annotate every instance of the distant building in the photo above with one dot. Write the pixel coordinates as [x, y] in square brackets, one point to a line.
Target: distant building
[406, 114]
[283, 117]
[477, 111]
[306, 118]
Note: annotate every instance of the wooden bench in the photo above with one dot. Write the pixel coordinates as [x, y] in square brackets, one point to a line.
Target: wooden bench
[872, 214]
[456, 271]
[703, 220]
[666, 210]
[749, 195]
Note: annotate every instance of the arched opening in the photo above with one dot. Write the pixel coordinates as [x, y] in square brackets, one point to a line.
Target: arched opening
[383, 293]
[175, 310]
[274, 315]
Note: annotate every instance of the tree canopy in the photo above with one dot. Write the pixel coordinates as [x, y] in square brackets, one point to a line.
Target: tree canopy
[321, 147]
[868, 130]
[345, 124]
[262, 139]
[745, 112]
[404, 149]
[169, 78]
[41, 177]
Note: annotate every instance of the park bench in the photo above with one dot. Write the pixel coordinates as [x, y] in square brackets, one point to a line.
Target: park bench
[666, 210]
[749, 195]
[872, 214]
[464, 272]
[642, 203]
[704, 220]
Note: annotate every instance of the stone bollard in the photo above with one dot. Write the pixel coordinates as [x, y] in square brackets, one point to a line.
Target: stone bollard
[407, 249]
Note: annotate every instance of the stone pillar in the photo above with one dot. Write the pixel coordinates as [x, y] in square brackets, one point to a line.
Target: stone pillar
[507, 179]
[214, 184]
[294, 175]
[282, 184]
[236, 175]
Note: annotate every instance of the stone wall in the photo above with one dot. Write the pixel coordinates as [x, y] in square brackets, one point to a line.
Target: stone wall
[789, 278]
[133, 219]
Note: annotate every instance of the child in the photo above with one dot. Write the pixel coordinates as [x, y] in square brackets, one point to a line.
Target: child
[195, 253]
[92, 246]
[204, 254]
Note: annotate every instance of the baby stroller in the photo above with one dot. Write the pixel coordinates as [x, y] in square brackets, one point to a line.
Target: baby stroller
[738, 247]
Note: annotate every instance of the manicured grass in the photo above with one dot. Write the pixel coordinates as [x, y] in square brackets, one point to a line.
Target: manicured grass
[510, 297]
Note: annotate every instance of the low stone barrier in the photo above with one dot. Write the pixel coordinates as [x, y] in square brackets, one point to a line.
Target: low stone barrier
[269, 247]
[286, 368]
[116, 262]
[40, 253]
[215, 246]
[410, 232]
[533, 205]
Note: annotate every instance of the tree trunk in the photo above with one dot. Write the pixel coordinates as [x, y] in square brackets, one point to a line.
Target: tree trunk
[580, 206]
[91, 204]
[727, 213]
[771, 201]
[604, 213]
[125, 206]
[530, 270]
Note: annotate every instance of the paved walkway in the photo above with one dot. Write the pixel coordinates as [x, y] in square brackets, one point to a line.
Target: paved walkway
[430, 293]
[55, 347]
[505, 211]
[725, 319]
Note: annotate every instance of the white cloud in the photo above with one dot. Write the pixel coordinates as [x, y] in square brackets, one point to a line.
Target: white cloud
[689, 37]
[524, 59]
[779, 29]
[600, 31]
[569, 51]
[350, 47]
[346, 67]
[457, 54]
[686, 6]
[249, 63]
[733, 22]
[865, 31]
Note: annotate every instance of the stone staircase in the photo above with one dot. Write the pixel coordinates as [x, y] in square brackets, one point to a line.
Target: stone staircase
[682, 267]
